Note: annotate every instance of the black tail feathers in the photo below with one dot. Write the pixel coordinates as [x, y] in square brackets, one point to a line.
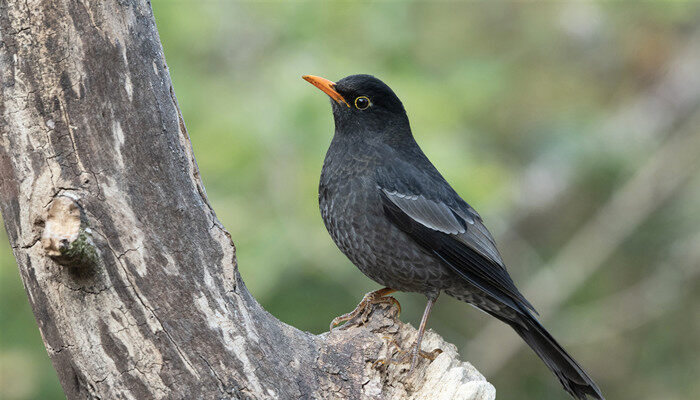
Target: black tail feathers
[570, 374]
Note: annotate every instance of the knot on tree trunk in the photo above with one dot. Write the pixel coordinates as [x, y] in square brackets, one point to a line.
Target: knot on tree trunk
[67, 238]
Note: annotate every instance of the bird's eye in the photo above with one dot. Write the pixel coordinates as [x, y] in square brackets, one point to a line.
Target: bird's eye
[362, 102]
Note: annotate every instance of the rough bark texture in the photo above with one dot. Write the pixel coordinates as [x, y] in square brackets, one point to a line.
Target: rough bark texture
[132, 278]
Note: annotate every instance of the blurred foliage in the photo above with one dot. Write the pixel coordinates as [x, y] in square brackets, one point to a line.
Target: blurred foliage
[507, 99]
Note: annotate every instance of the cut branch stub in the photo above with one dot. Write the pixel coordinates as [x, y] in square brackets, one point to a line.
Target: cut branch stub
[67, 238]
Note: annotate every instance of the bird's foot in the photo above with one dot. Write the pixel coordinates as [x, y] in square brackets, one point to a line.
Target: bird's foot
[404, 355]
[369, 300]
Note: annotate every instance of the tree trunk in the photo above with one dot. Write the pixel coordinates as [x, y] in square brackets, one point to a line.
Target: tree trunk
[132, 278]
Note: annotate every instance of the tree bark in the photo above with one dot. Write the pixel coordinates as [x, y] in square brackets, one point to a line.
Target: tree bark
[132, 279]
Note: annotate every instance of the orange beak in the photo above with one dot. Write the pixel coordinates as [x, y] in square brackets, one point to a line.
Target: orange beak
[328, 87]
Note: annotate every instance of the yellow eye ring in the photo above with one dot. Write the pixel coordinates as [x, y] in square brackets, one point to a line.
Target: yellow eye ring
[362, 102]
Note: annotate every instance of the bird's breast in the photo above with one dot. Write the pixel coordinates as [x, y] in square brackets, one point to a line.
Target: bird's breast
[353, 214]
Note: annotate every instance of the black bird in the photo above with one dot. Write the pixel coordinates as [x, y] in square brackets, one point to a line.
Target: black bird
[395, 217]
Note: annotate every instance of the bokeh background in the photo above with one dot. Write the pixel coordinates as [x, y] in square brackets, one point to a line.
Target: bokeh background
[573, 127]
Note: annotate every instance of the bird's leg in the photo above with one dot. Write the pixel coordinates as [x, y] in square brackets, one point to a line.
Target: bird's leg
[371, 298]
[415, 350]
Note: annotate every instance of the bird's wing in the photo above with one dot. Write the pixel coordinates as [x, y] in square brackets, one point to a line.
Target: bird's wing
[457, 236]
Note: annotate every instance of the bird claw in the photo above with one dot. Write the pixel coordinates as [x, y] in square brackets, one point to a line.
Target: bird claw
[365, 306]
[405, 354]
[431, 355]
[391, 300]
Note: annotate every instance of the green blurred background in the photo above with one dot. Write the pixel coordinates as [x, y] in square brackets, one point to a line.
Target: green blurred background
[570, 126]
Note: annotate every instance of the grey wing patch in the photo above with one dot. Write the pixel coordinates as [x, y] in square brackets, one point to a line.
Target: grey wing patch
[465, 225]
[480, 239]
[457, 236]
[434, 215]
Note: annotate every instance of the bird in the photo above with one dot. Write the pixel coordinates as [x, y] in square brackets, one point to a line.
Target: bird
[390, 211]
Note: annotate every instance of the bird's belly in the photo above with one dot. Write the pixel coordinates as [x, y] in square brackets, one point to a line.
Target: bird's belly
[379, 249]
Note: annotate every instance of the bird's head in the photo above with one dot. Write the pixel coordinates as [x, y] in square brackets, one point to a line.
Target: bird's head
[364, 105]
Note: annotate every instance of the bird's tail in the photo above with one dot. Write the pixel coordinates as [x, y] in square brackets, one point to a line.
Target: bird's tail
[570, 374]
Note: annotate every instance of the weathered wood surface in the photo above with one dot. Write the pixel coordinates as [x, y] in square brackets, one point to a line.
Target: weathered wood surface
[132, 278]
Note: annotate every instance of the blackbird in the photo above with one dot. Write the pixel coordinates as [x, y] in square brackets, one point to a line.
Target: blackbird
[391, 212]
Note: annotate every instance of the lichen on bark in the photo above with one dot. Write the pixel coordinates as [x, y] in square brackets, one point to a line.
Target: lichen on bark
[81, 253]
